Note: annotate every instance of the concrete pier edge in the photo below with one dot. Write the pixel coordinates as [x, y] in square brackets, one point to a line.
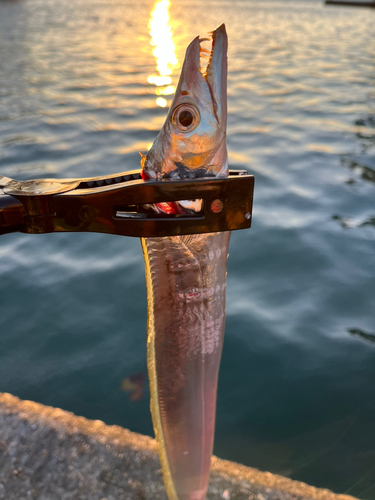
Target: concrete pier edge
[51, 454]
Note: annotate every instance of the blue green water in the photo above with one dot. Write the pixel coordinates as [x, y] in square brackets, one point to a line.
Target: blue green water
[297, 384]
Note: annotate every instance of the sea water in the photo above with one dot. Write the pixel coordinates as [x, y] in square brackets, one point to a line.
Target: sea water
[297, 382]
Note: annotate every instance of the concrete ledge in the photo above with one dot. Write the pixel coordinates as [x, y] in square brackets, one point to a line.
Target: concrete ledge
[50, 454]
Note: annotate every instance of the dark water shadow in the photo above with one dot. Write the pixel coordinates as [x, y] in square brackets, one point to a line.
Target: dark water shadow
[347, 223]
[363, 171]
[362, 163]
[356, 332]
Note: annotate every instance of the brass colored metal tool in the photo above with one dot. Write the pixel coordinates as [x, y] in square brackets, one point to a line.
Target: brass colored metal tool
[117, 204]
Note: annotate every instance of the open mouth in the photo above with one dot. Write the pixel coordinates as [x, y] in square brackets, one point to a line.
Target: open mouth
[213, 62]
[206, 54]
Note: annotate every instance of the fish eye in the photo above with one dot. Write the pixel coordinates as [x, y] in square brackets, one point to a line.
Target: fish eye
[185, 118]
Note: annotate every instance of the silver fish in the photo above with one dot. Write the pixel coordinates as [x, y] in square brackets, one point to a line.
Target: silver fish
[186, 278]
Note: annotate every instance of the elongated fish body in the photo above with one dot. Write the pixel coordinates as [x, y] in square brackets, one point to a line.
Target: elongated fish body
[186, 311]
[185, 277]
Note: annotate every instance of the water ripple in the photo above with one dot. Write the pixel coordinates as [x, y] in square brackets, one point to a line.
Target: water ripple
[296, 389]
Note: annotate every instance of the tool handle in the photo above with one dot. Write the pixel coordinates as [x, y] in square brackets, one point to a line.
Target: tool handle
[11, 214]
[117, 204]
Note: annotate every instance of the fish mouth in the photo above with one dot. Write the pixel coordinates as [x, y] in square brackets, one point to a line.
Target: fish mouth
[199, 79]
[213, 70]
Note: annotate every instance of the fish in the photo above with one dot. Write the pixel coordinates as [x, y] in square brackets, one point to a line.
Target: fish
[186, 277]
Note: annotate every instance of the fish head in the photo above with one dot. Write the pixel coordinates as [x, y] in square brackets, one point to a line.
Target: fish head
[192, 142]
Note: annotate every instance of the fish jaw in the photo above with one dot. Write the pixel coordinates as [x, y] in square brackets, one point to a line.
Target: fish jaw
[198, 149]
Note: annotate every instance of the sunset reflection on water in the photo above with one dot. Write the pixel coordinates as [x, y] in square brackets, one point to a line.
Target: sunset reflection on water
[164, 51]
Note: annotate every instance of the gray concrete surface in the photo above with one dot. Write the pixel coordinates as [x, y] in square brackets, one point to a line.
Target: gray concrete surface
[50, 454]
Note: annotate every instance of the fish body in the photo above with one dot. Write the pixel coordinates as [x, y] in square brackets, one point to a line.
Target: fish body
[185, 277]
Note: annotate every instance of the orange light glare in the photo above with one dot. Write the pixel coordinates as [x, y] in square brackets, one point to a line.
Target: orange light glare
[164, 51]
[160, 101]
[165, 91]
[159, 80]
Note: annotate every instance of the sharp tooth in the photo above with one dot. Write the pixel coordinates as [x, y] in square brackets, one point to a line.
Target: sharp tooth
[203, 49]
[204, 40]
